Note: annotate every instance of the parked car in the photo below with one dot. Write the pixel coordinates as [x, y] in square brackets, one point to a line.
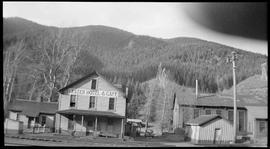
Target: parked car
[149, 133]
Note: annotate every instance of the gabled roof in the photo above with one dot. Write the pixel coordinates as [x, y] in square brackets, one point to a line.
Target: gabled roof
[33, 108]
[89, 112]
[91, 75]
[203, 119]
[221, 100]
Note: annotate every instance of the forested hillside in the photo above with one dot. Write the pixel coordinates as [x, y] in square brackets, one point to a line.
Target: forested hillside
[58, 56]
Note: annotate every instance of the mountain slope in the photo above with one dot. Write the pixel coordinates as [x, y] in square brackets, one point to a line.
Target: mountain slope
[126, 55]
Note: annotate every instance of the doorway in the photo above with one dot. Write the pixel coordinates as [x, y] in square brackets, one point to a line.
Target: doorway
[217, 135]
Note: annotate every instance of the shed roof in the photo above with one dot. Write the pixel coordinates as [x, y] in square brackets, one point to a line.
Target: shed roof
[203, 119]
[33, 108]
[89, 112]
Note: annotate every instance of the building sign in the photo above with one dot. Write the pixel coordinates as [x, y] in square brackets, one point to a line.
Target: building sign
[88, 92]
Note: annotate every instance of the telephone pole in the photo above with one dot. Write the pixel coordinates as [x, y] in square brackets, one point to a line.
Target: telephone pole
[233, 59]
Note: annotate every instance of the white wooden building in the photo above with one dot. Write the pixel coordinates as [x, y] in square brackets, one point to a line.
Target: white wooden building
[91, 106]
[33, 112]
[210, 129]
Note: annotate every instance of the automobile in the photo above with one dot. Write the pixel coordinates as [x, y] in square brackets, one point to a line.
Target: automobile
[149, 133]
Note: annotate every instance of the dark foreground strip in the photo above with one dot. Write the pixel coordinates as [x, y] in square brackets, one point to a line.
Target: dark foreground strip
[17, 144]
[31, 138]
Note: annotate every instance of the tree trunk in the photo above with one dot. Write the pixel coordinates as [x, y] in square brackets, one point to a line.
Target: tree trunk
[32, 90]
[146, 126]
[11, 89]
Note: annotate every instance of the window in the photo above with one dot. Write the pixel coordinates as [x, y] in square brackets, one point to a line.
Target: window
[196, 113]
[262, 126]
[43, 120]
[218, 112]
[241, 121]
[92, 102]
[201, 112]
[72, 100]
[111, 103]
[207, 112]
[94, 84]
[17, 117]
[230, 116]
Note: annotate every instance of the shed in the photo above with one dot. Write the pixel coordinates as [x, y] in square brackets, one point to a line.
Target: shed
[209, 129]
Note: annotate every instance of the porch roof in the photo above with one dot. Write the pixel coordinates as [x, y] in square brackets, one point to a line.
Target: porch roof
[89, 112]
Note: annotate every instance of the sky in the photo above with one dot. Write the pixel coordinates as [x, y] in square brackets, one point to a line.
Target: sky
[161, 20]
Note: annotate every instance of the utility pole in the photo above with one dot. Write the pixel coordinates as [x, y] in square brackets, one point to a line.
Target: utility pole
[233, 59]
[163, 84]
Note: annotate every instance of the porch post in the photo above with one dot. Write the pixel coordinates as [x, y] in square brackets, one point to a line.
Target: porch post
[96, 126]
[59, 123]
[82, 123]
[74, 125]
[122, 128]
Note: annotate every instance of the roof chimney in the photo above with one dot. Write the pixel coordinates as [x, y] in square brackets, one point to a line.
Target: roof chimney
[264, 71]
[196, 89]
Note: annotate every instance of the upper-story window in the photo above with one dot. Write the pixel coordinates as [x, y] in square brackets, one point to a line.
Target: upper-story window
[92, 102]
[196, 113]
[94, 84]
[218, 112]
[111, 103]
[72, 100]
[207, 112]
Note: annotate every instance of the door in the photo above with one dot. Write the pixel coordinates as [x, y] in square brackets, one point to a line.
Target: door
[110, 125]
[90, 127]
[30, 121]
[70, 123]
[261, 128]
[217, 135]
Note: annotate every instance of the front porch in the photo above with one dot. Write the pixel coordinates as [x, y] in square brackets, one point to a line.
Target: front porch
[90, 123]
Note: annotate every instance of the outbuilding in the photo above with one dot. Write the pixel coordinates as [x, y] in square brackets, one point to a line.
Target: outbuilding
[209, 129]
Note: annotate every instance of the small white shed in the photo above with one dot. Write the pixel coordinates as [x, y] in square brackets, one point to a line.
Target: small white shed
[209, 129]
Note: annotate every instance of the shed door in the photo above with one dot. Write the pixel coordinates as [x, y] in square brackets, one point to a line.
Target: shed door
[217, 135]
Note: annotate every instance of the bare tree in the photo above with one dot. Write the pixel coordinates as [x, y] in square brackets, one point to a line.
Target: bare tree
[162, 77]
[13, 56]
[149, 105]
[59, 50]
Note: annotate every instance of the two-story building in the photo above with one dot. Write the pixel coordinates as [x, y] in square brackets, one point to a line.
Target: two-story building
[91, 106]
